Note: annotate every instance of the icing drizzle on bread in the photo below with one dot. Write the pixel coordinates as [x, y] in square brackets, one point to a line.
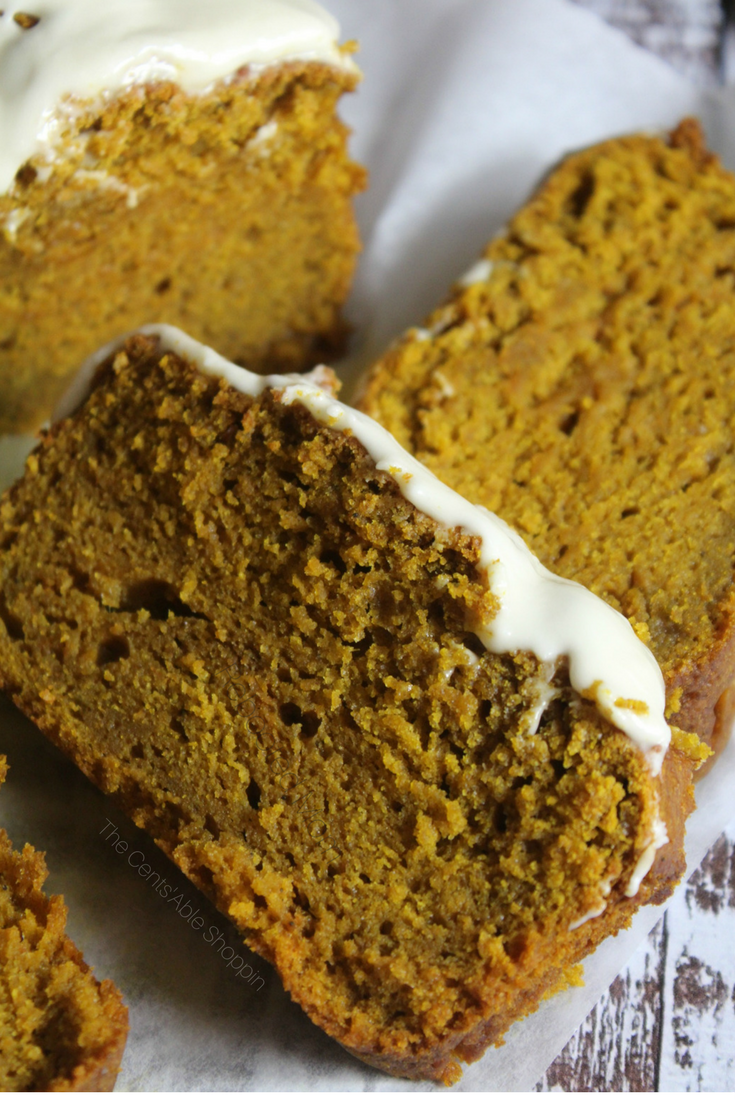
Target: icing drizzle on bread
[59, 51]
[539, 612]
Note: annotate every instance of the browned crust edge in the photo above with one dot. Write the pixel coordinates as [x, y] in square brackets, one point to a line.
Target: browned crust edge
[708, 693]
[441, 1063]
[98, 1071]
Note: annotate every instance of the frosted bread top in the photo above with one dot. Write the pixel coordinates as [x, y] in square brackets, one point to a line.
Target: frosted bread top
[552, 617]
[51, 50]
[540, 612]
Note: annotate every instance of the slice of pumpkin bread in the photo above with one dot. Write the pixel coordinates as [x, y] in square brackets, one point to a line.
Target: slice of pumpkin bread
[420, 774]
[60, 1030]
[580, 382]
[170, 162]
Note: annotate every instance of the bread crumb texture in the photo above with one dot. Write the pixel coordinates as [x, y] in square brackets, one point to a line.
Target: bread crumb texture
[242, 630]
[60, 1030]
[226, 213]
[591, 394]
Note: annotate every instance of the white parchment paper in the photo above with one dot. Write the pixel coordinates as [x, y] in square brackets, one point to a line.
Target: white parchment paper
[464, 105]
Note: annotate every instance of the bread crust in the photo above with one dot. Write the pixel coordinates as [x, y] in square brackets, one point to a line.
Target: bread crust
[97, 1069]
[443, 1063]
[708, 695]
[147, 630]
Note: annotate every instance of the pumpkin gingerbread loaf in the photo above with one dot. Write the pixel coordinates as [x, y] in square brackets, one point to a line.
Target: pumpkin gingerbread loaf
[60, 1030]
[169, 162]
[580, 382]
[423, 776]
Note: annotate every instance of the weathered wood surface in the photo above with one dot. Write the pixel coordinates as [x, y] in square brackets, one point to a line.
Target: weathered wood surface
[668, 1022]
[698, 997]
[686, 33]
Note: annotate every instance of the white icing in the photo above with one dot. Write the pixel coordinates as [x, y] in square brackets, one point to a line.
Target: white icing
[658, 838]
[462, 657]
[545, 693]
[478, 273]
[539, 612]
[14, 220]
[107, 182]
[209, 361]
[481, 271]
[445, 387]
[605, 887]
[442, 324]
[264, 136]
[420, 334]
[87, 49]
[549, 616]
[595, 912]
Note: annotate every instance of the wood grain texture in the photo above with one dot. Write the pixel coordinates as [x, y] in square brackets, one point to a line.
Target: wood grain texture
[685, 33]
[698, 1039]
[668, 1022]
[616, 1049]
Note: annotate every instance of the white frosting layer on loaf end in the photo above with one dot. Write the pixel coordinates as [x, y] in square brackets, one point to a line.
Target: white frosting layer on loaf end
[88, 48]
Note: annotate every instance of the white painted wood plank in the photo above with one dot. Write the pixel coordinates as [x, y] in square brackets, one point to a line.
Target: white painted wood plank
[668, 1021]
[698, 1036]
[616, 1048]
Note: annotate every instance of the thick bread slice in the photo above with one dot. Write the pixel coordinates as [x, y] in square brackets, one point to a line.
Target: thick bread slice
[580, 382]
[237, 623]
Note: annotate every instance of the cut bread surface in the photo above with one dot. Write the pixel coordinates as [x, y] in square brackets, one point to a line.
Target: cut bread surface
[579, 383]
[224, 207]
[60, 1030]
[240, 627]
